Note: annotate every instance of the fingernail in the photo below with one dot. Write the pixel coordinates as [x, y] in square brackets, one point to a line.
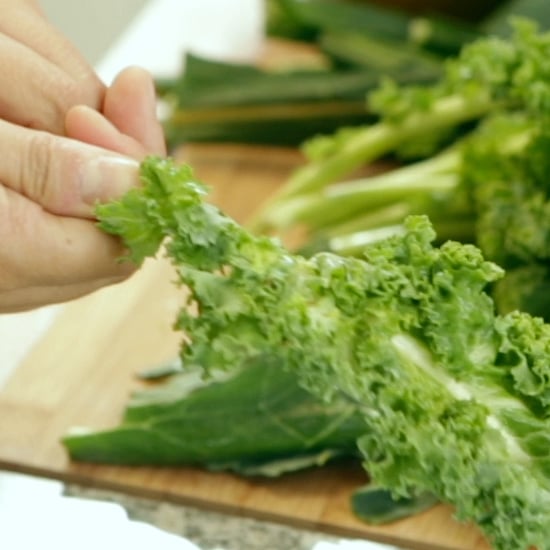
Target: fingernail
[108, 177]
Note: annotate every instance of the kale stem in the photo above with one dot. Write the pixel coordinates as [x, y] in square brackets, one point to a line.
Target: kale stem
[335, 204]
[367, 145]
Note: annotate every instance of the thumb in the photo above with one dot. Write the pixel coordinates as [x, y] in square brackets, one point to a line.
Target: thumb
[66, 177]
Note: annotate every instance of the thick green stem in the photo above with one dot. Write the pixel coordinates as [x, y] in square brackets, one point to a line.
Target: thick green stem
[436, 176]
[372, 143]
[382, 138]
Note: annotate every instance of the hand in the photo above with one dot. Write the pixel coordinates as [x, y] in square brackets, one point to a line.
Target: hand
[43, 74]
[51, 101]
[50, 247]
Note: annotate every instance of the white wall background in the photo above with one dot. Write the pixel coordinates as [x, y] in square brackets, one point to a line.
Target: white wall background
[91, 26]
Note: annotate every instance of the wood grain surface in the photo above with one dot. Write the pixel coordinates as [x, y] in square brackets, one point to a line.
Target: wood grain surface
[82, 371]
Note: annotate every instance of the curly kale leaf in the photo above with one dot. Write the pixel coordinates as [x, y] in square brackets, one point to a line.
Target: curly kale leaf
[454, 397]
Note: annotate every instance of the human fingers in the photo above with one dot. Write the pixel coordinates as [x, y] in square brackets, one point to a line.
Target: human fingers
[89, 126]
[25, 22]
[131, 105]
[66, 177]
[130, 125]
[25, 299]
[42, 74]
[47, 258]
[29, 92]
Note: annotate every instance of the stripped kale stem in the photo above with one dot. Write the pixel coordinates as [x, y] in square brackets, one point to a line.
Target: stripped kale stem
[334, 204]
[364, 146]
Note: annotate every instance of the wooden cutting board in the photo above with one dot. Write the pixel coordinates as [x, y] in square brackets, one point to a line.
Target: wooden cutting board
[81, 373]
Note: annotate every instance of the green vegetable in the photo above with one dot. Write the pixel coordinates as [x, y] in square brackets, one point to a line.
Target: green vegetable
[455, 398]
[490, 75]
[358, 45]
[467, 190]
[217, 101]
[374, 201]
[536, 10]
[375, 505]
[256, 420]
[213, 101]
[381, 56]
[307, 19]
[488, 187]
[525, 288]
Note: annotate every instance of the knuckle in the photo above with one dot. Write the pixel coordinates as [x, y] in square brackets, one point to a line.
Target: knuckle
[86, 90]
[68, 95]
[37, 165]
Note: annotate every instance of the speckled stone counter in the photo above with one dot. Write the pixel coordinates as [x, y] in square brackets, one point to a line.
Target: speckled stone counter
[208, 530]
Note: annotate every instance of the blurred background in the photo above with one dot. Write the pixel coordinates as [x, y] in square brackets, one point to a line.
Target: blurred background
[92, 26]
